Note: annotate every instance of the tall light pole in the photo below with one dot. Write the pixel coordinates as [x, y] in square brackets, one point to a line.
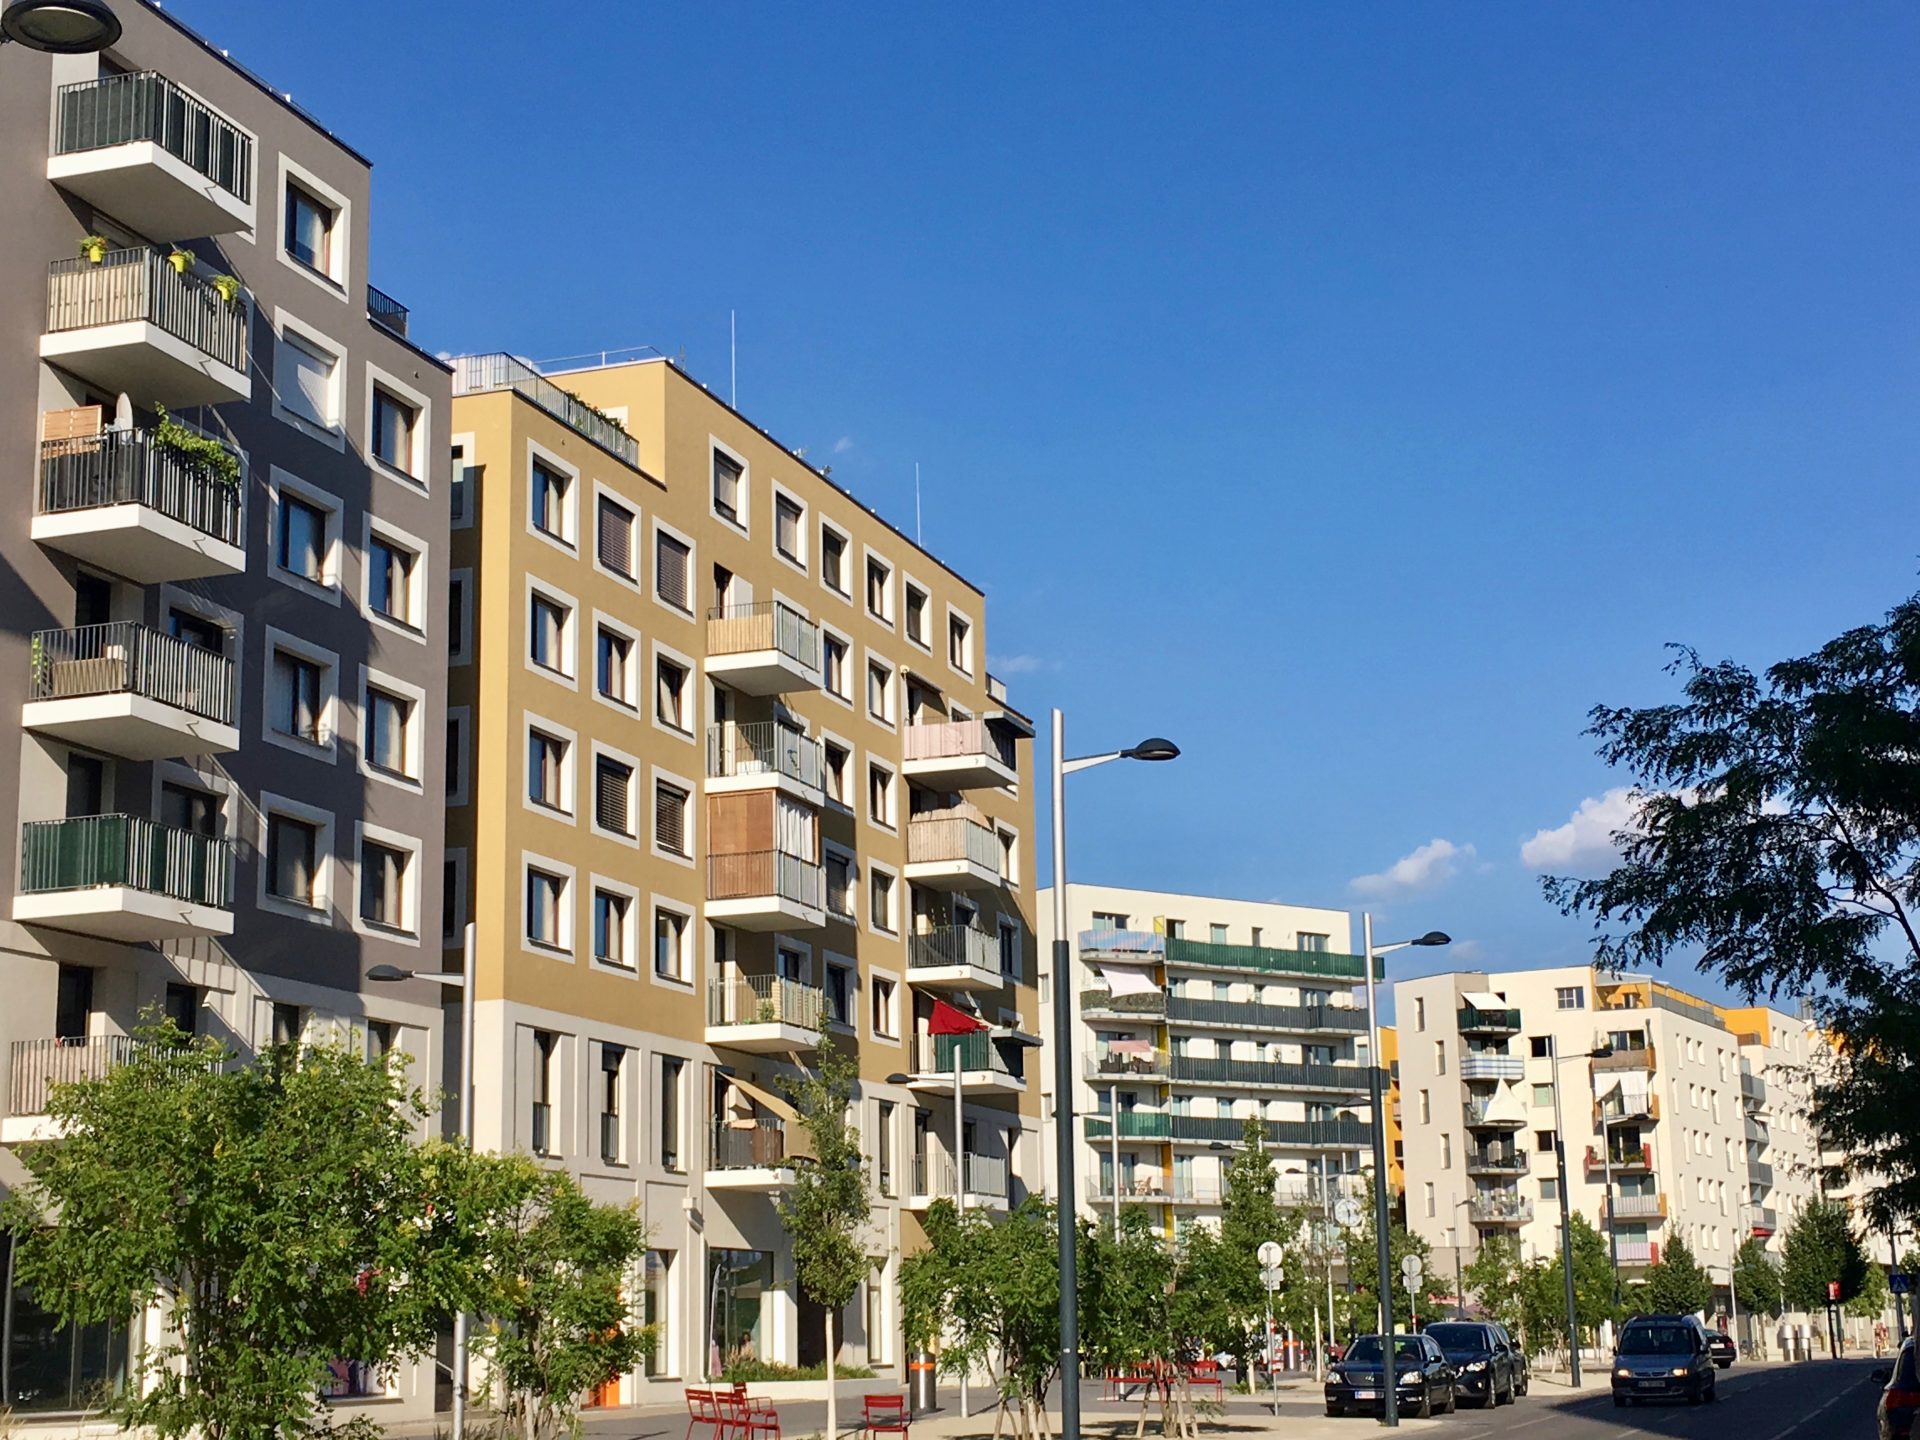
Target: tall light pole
[1382, 1216]
[60, 27]
[464, 983]
[1566, 1206]
[1063, 1074]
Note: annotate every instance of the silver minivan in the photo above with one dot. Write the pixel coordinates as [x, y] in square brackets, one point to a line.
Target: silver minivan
[1663, 1357]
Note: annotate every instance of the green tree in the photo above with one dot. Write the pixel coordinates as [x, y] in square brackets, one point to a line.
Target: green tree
[277, 1208]
[1229, 1273]
[554, 1318]
[1363, 1269]
[1874, 1296]
[1497, 1279]
[1544, 1293]
[1776, 842]
[1756, 1278]
[1820, 1247]
[1676, 1285]
[825, 1211]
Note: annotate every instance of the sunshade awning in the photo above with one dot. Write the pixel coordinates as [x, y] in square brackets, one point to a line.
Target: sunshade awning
[796, 1140]
[1484, 1000]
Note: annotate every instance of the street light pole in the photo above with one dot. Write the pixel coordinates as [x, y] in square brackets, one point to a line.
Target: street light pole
[1613, 1220]
[1566, 1216]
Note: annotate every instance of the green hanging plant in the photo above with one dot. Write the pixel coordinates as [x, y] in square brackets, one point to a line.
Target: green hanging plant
[180, 260]
[200, 452]
[226, 287]
[41, 669]
[93, 249]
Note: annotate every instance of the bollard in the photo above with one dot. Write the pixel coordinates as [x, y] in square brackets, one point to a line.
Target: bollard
[922, 1382]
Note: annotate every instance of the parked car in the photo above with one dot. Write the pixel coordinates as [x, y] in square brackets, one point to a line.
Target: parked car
[1663, 1357]
[1900, 1400]
[1490, 1367]
[1426, 1382]
[1720, 1345]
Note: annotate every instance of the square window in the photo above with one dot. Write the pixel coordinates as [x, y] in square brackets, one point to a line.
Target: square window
[613, 536]
[394, 423]
[726, 486]
[613, 666]
[301, 545]
[612, 922]
[293, 860]
[669, 818]
[387, 723]
[546, 770]
[788, 529]
[833, 559]
[546, 907]
[390, 567]
[671, 959]
[613, 795]
[384, 873]
[309, 229]
[550, 499]
[306, 381]
[672, 567]
[547, 634]
[670, 693]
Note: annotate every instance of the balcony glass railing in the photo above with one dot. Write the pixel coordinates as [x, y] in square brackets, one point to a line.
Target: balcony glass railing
[1500, 1209]
[764, 625]
[1318, 963]
[765, 875]
[935, 840]
[759, 1143]
[139, 284]
[120, 109]
[766, 1000]
[122, 658]
[481, 374]
[1216, 1070]
[1245, 1014]
[129, 467]
[39, 1065]
[94, 851]
[986, 1175]
[956, 740]
[978, 1051]
[951, 945]
[763, 747]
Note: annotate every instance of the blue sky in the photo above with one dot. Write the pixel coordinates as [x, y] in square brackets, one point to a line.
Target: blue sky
[1355, 394]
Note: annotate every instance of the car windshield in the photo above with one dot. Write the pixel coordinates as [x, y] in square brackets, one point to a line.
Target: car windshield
[1656, 1340]
[1366, 1350]
[1459, 1337]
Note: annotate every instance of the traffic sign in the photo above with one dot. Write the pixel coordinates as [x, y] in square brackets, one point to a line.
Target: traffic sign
[1347, 1211]
[1900, 1283]
[1833, 1289]
[1272, 1278]
[1411, 1269]
[1269, 1253]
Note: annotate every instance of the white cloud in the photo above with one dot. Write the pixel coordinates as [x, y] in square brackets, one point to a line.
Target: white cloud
[1585, 843]
[1005, 665]
[843, 444]
[1425, 868]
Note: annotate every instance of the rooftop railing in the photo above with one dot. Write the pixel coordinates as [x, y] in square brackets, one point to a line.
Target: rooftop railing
[143, 105]
[386, 312]
[139, 284]
[480, 374]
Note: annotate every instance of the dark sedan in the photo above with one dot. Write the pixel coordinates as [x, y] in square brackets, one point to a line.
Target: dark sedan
[1426, 1382]
[1901, 1399]
[1721, 1347]
[1488, 1364]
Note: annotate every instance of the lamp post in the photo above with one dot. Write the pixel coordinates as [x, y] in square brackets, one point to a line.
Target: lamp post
[60, 27]
[1566, 1211]
[1154, 748]
[464, 983]
[1382, 1218]
[1607, 1122]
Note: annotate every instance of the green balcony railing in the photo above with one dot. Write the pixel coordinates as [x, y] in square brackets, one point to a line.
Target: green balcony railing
[1320, 964]
[1215, 1070]
[1243, 1014]
[1161, 1125]
[93, 851]
[978, 1051]
[1503, 1022]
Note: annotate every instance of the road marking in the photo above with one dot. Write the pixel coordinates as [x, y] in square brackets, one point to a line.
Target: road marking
[1837, 1398]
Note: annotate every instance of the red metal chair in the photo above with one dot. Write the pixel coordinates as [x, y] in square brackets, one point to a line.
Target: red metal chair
[1206, 1374]
[884, 1415]
[704, 1408]
[750, 1415]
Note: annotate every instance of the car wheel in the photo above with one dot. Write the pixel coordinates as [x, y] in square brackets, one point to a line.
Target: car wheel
[1696, 1394]
[1453, 1398]
[1425, 1412]
[1520, 1388]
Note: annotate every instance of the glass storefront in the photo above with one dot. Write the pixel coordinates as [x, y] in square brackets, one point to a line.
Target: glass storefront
[45, 1365]
[738, 1284]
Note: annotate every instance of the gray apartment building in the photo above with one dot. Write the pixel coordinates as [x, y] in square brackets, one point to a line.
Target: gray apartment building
[222, 648]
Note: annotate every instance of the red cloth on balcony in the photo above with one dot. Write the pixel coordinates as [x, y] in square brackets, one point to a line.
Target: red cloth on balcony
[950, 1020]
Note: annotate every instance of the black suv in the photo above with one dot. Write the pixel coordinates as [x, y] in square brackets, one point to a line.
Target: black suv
[1663, 1357]
[1492, 1371]
[1425, 1379]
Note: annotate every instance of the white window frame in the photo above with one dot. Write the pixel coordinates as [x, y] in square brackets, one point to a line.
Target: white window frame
[848, 553]
[460, 758]
[684, 982]
[281, 482]
[893, 895]
[744, 524]
[329, 749]
[635, 815]
[874, 1032]
[804, 563]
[324, 865]
[563, 948]
[927, 612]
[568, 812]
[657, 527]
[414, 781]
[334, 435]
[635, 904]
[636, 656]
[567, 678]
[655, 774]
[567, 543]
[460, 625]
[690, 701]
[868, 555]
[414, 626]
[334, 280]
[415, 849]
[889, 823]
[637, 580]
[954, 612]
[420, 463]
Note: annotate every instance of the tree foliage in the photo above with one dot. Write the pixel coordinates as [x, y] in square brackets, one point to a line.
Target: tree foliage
[1777, 842]
[1363, 1269]
[1496, 1279]
[1874, 1296]
[278, 1209]
[1820, 1247]
[1756, 1278]
[1676, 1285]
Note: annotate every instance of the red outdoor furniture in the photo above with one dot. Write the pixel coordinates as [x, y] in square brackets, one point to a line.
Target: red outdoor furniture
[704, 1408]
[1206, 1373]
[749, 1416]
[884, 1415]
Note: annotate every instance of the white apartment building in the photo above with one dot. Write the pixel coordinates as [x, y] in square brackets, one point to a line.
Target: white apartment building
[1692, 1112]
[1192, 1013]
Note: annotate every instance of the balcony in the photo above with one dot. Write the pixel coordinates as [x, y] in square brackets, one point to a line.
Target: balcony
[955, 957]
[1643, 1106]
[386, 312]
[764, 1013]
[1638, 1207]
[139, 147]
[1756, 1131]
[764, 755]
[951, 852]
[765, 890]
[1260, 960]
[1205, 1129]
[1630, 1057]
[766, 648]
[1351, 1080]
[132, 323]
[1114, 1061]
[934, 1179]
[973, 754]
[122, 877]
[130, 691]
[1638, 1252]
[121, 500]
[988, 1066]
[1759, 1174]
[749, 1155]
[1630, 1159]
[1500, 1209]
[1492, 1067]
[1765, 1220]
[1472, 1020]
[1752, 1088]
[1248, 1015]
[1482, 1115]
[1144, 1007]
[1150, 1188]
[1496, 1160]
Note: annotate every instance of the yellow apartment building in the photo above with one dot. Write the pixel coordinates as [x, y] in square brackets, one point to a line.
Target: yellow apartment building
[727, 775]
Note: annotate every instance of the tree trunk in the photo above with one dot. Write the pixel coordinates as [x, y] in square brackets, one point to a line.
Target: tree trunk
[833, 1401]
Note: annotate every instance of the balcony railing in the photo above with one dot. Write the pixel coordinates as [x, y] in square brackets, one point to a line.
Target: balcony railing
[932, 841]
[1218, 1070]
[1107, 1061]
[120, 109]
[386, 312]
[1763, 1218]
[139, 284]
[129, 467]
[480, 374]
[94, 851]
[977, 1051]
[985, 1174]
[1753, 1088]
[1640, 1207]
[122, 658]
[1146, 1004]
[764, 625]
[1620, 1157]
[757, 1144]
[765, 874]
[1500, 1209]
[957, 739]
[1489, 1022]
[1248, 1015]
[1625, 1057]
[1756, 1131]
[1638, 1252]
[39, 1065]
[1492, 1067]
[1759, 1172]
[1497, 1160]
[1161, 1125]
[1481, 1112]
[763, 747]
[766, 1000]
[1317, 963]
[950, 945]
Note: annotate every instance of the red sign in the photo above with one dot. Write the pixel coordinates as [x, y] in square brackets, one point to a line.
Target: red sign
[1833, 1289]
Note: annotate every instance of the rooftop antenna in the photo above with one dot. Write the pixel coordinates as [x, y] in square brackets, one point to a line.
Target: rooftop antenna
[916, 503]
[733, 360]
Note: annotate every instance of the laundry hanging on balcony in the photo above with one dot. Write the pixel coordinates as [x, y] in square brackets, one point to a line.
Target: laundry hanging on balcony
[951, 1020]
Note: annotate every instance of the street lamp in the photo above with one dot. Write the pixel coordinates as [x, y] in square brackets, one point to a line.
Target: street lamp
[1153, 748]
[1382, 1219]
[464, 983]
[60, 27]
[1566, 1210]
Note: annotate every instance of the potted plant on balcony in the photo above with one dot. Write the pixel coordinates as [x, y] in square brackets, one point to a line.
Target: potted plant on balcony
[200, 453]
[226, 287]
[180, 260]
[93, 249]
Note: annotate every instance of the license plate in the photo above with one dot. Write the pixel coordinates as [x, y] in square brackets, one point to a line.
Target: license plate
[1366, 1394]
[1653, 1384]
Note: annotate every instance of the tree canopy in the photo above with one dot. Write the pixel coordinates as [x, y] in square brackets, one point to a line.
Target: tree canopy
[1756, 1278]
[1820, 1247]
[1676, 1285]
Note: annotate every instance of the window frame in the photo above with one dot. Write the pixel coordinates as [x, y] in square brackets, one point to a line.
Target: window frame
[846, 558]
[413, 779]
[326, 749]
[687, 962]
[563, 948]
[281, 485]
[655, 529]
[334, 277]
[331, 433]
[567, 811]
[869, 557]
[365, 833]
[742, 520]
[600, 750]
[690, 791]
[878, 975]
[879, 765]
[689, 692]
[972, 667]
[889, 719]
[876, 868]
[908, 586]
[804, 560]
[838, 803]
[460, 618]
[325, 889]
[415, 474]
[603, 622]
[419, 578]
[636, 541]
[567, 677]
[849, 653]
[601, 883]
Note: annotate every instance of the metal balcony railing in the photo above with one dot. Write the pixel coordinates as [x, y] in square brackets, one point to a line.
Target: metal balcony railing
[1245, 1014]
[1492, 1067]
[386, 312]
[1496, 1160]
[934, 840]
[1638, 1252]
[1218, 1070]
[130, 467]
[765, 874]
[1491, 1022]
[1640, 1207]
[764, 625]
[93, 851]
[1764, 1217]
[120, 109]
[1481, 1112]
[1107, 1061]
[123, 658]
[756, 1144]
[1623, 1057]
[948, 945]
[1316, 963]
[1147, 1004]
[978, 1051]
[1757, 1131]
[39, 1065]
[763, 747]
[957, 739]
[139, 284]
[766, 1000]
[1500, 1209]
[1620, 1157]
[1759, 1172]
[1753, 1088]
[1161, 1125]
[986, 1175]
[480, 374]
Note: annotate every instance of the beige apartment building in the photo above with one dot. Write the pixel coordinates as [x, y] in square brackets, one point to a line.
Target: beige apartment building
[727, 777]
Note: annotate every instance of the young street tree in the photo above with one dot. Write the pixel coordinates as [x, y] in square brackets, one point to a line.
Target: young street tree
[1756, 1278]
[1363, 1266]
[1676, 1285]
[1777, 842]
[1496, 1277]
[277, 1209]
[826, 1209]
[1819, 1248]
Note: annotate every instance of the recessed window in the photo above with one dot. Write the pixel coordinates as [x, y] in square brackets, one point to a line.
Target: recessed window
[672, 1082]
[546, 907]
[384, 879]
[547, 770]
[669, 818]
[839, 994]
[839, 874]
[880, 795]
[293, 860]
[834, 676]
[879, 590]
[788, 528]
[390, 568]
[459, 620]
[885, 1007]
[394, 423]
[301, 546]
[672, 959]
[880, 900]
[551, 503]
[672, 566]
[1009, 948]
[461, 476]
[297, 698]
[670, 693]
[960, 643]
[727, 473]
[613, 1060]
[1009, 855]
[612, 928]
[880, 692]
[613, 666]
[917, 620]
[387, 741]
[613, 795]
[1314, 944]
[839, 762]
[613, 536]
[833, 559]
[306, 381]
[310, 229]
[547, 634]
[458, 719]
